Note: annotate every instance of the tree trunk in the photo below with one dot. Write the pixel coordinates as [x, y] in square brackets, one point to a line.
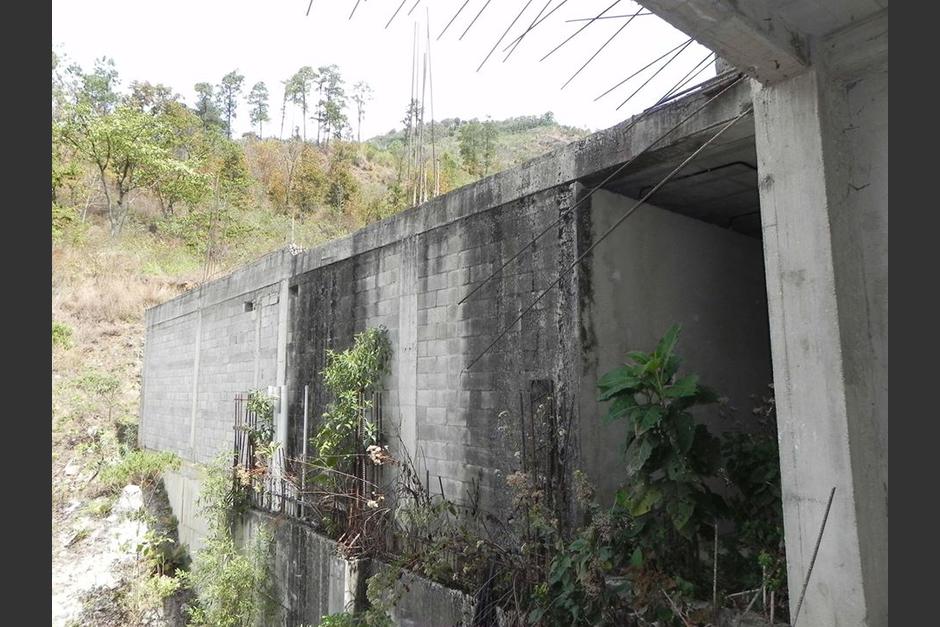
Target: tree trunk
[120, 215]
[107, 195]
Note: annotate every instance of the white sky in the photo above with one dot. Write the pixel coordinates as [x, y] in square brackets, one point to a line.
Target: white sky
[180, 43]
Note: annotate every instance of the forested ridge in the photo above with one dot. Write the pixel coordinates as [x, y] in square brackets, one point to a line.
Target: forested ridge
[138, 155]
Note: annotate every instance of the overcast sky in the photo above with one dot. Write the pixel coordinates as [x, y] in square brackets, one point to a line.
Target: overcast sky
[180, 43]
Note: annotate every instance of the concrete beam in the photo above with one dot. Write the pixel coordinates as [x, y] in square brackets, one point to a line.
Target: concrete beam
[745, 33]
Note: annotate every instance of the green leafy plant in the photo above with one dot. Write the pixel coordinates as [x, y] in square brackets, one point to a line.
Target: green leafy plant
[162, 555]
[752, 467]
[668, 456]
[262, 406]
[382, 593]
[576, 591]
[351, 376]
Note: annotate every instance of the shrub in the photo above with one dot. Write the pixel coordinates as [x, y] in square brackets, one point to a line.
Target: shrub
[61, 335]
[668, 456]
[140, 467]
[62, 219]
[351, 376]
[234, 587]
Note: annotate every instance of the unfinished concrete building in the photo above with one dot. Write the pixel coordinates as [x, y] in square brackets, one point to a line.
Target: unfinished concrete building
[770, 248]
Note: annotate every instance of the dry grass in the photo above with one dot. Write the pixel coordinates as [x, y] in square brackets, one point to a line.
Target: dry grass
[114, 298]
[99, 280]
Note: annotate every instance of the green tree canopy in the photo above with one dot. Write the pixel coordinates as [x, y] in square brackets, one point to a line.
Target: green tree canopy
[258, 99]
[298, 88]
[229, 90]
[207, 108]
[130, 149]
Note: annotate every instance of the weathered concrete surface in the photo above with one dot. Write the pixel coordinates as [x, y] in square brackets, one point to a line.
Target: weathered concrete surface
[448, 420]
[312, 580]
[822, 142]
[591, 156]
[657, 269]
[424, 602]
[310, 577]
[770, 40]
[203, 347]
[746, 33]
[182, 489]
[462, 427]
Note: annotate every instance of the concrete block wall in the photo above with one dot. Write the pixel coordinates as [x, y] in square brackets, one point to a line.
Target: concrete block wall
[443, 416]
[463, 428]
[202, 349]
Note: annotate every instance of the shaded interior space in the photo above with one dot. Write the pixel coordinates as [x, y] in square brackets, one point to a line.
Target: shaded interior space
[692, 254]
[719, 186]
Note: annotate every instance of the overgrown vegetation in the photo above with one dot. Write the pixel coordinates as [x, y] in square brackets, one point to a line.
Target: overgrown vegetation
[647, 559]
[234, 585]
[262, 406]
[137, 467]
[351, 376]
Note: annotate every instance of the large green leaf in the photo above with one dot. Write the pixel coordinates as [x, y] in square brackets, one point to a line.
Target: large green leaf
[682, 513]
[684, 387]
[676, 469]
[638, 452]
[638, 356]
[637, 558]
[616, 381]
[668, 342]
[649, 418]
[619, 408]
[649, 499]
[685, 431]
[670, 367]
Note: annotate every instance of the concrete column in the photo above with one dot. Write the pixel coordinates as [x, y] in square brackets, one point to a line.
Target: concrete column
[283, 311]
[283, 329]
[406, 354]
[822, 158]
[194, 412]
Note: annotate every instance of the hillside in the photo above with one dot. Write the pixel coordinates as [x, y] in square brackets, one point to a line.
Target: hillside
[514, 140]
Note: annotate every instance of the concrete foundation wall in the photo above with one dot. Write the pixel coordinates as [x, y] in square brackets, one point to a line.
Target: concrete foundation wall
[659, 268]
[182, 489]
